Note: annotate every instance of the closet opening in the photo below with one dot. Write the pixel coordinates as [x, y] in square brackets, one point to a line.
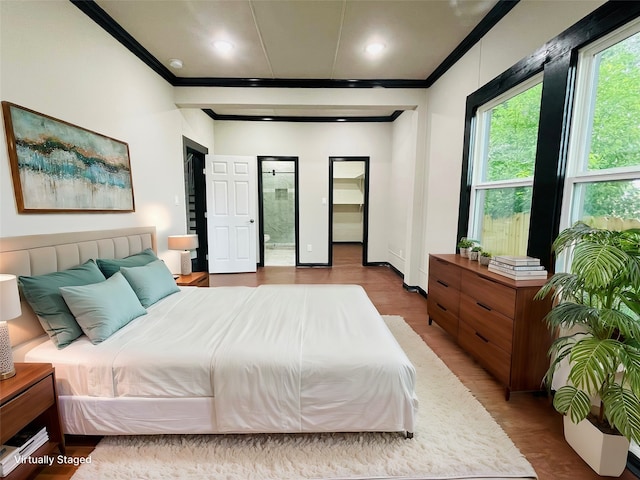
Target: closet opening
[349, 203]
[278, 211]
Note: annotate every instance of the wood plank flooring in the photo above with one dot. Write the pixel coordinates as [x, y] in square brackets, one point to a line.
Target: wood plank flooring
[528, 419]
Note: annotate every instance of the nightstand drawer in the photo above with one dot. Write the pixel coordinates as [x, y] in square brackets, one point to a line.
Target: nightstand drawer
[18, 412]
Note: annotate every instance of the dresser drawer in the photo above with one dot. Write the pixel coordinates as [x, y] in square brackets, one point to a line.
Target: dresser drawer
[444, 272]
[487, 354]
[443, 317]
[491, 324]
[447, 297]
[489, 293]
[29, 404]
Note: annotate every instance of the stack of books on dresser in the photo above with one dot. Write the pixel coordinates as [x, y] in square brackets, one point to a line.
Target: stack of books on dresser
[518, 268]
[20, 447]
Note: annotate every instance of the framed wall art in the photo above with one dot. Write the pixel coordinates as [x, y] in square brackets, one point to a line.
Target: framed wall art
[60, 167]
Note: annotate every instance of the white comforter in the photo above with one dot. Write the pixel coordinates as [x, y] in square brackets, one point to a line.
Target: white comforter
[275, 358]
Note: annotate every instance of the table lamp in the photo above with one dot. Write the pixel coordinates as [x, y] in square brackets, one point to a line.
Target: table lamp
[9, 309]
[185, 243]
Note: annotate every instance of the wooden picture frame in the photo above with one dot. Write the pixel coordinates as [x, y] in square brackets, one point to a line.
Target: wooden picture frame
[58, 167]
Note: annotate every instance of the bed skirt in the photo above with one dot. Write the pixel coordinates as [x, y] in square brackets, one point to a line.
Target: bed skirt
[84, 415]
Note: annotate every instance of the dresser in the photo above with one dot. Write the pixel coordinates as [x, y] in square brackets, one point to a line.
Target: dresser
[493, 318]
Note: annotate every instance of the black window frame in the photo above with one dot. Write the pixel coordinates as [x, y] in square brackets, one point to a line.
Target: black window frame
[557, 60]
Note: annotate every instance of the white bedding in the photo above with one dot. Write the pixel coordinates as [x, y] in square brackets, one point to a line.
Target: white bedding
[275, 358]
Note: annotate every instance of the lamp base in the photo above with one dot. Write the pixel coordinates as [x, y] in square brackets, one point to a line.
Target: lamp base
[5, 375]
[185, 263]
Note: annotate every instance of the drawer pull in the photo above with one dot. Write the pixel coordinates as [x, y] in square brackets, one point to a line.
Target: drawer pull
[442, 283]
[441, 307]
[483, 306]
[482, 338]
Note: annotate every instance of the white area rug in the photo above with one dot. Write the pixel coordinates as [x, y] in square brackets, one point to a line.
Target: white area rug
[455, 438]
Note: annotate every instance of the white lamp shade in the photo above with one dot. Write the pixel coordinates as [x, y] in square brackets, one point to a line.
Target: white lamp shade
[183, 242]
[9, 309]
[9, 297]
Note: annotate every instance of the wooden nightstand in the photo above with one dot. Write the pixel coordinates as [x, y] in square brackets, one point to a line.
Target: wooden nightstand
[195, 279]
[30, 397]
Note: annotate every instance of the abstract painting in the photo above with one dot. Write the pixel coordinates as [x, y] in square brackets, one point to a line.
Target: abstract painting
[60, 167]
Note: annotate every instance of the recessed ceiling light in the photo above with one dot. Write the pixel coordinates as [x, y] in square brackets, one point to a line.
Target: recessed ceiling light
[374, 48]
[223, 46]
[175, 63]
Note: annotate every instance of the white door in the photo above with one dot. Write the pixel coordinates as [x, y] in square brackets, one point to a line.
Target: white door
[231, 205]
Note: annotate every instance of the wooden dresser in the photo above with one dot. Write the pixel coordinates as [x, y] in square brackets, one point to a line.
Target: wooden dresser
[493, 318]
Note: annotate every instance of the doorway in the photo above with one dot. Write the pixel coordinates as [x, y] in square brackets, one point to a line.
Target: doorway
[195, 192]
[278, 211]
[349, 203]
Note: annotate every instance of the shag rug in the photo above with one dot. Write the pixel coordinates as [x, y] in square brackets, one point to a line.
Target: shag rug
[455, 438]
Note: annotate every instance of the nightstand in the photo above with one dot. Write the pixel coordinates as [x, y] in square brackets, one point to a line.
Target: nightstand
[195, 279]
[30, 397]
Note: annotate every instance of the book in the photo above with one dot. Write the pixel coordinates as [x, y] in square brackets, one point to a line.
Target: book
[517, 268]
[517, 260]
[523, 275]
[22, 445]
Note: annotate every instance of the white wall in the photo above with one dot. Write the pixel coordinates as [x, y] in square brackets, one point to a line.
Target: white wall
[57, 61]
[527, 27]
[313, 144]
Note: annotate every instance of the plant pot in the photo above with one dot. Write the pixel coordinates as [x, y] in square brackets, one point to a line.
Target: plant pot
[464, 252]
[606, 454]
[473, 256]
[484, 260]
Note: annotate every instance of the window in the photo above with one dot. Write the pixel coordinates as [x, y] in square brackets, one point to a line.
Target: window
[603, 172]
[504, 152]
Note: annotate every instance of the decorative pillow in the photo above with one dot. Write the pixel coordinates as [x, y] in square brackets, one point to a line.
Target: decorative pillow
[43, 294]
[109, 266]
[151, 282]
[103, 308]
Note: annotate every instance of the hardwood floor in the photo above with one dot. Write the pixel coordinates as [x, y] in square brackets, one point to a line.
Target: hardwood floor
[528, 419]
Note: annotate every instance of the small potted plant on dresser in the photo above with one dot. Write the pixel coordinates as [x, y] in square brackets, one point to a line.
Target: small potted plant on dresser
[465, 245]
[597, 312]
[474, 254]
[484, 258]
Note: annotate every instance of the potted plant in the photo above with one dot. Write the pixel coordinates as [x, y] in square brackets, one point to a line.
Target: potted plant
[484, 258]
[474, 254]
[465, 245]
[597, 312]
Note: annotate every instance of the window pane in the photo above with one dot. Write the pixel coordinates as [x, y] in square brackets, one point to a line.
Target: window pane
[612, 205]
[503, 219]
[513, 136]
[615, 136]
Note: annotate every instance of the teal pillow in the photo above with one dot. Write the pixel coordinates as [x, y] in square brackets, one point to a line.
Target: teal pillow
[103, 308]
[151, 282]
[109, 266]
[43, 294]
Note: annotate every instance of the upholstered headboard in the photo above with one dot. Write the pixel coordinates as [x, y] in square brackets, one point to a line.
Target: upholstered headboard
[39, 254]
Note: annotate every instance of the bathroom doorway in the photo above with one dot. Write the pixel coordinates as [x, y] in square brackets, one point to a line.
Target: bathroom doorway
[278, 211]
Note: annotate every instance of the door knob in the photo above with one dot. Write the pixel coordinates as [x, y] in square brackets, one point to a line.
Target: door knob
[251, 221]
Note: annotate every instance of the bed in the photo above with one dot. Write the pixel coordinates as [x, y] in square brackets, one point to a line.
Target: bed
[267, 359]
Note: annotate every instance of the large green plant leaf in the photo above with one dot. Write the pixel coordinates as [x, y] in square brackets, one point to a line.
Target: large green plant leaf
[630, 360]
[568, 314]
[599, 265]
[572, 401]
[593, 363]
[623, 410]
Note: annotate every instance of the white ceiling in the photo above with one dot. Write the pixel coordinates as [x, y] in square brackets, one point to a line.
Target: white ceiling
[300, 39]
